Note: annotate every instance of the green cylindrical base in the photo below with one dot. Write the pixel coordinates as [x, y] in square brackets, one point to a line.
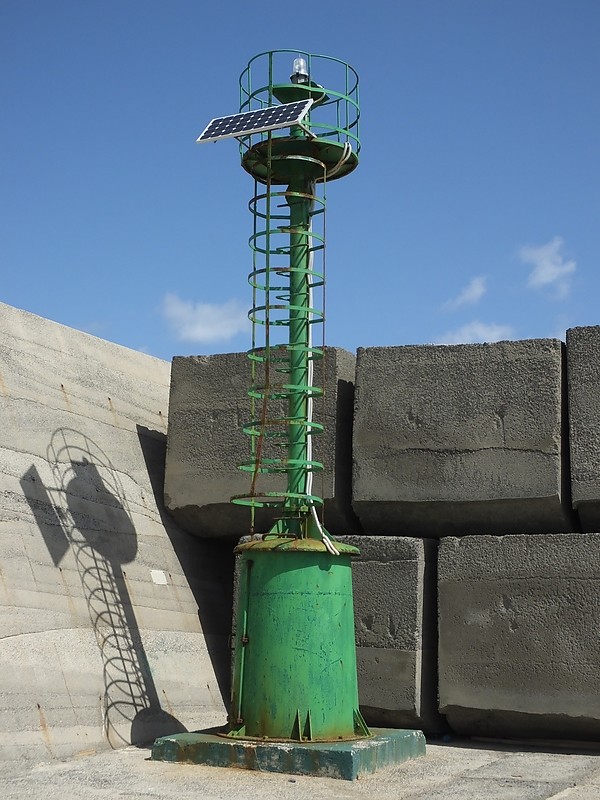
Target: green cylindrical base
[295, 661]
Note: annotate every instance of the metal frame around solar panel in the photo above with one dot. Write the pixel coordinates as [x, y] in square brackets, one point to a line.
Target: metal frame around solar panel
[251, 122]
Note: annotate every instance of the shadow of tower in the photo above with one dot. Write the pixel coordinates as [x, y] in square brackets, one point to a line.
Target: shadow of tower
[90, 506]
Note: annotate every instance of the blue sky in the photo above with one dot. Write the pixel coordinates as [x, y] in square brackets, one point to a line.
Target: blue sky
[473, 215]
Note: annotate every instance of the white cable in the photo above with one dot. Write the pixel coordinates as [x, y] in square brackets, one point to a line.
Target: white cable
[346, 153]
[329, 546]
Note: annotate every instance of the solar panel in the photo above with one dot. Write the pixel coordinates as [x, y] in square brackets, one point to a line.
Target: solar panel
[265, 119]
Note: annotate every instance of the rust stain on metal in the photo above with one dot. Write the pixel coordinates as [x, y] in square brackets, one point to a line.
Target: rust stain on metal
[45, 730]
[250, 756]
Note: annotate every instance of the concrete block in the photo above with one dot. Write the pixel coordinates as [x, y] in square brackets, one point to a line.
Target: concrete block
[519, 652]
[461, 439]
[583, 368]
[208, 408]
[395, 620]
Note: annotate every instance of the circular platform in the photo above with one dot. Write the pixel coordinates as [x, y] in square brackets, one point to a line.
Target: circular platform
[291, 157]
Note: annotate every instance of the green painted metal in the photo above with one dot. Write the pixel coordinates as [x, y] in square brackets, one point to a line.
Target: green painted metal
[336, 112]
[294, 690]
[299, 204]
[287, 284]
[295, 660]
[290, 544]
[294, 673]
[319, 159]
[342, 760]
[288, 227]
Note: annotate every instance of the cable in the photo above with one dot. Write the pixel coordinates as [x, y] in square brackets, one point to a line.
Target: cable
[329, 546]
[347, 152]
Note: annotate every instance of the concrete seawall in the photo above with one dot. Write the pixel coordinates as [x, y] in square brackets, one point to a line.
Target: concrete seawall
[113, 621]
[487, 442]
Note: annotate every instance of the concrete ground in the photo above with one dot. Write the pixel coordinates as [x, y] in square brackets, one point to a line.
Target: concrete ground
[460, 769]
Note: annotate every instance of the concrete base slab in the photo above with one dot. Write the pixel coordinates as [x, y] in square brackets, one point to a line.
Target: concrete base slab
[346, 760]
[459, 770]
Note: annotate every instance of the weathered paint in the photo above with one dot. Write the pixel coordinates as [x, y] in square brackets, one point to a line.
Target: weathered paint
[345, 760]
[295, 665]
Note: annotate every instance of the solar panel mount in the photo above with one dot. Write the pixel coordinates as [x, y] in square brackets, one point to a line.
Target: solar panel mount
[265, 119]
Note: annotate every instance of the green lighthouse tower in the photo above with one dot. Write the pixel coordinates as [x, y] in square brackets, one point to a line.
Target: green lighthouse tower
[295, 612]
[294, 704]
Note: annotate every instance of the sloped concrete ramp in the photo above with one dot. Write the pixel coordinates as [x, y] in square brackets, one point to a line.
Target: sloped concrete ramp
[113, 621]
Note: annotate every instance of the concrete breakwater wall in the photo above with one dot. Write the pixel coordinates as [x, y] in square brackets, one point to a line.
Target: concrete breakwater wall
[469, 476]
[113, 620]
[475, 491]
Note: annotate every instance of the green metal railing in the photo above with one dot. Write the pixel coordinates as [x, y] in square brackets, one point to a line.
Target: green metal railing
[338, 109]
[288, 275]
[287, 279]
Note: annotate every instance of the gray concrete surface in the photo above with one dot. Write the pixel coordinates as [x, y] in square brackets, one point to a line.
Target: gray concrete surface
[459, 771]
[519, 651]
[461, 439]
[394, 582]
[583, 371]
[112, 619]
[208, 408]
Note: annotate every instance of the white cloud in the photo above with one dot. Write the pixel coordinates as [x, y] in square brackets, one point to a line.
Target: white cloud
[472, 293]
[477, 332]
[204, 322]
[559, 330]
[549, 266]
